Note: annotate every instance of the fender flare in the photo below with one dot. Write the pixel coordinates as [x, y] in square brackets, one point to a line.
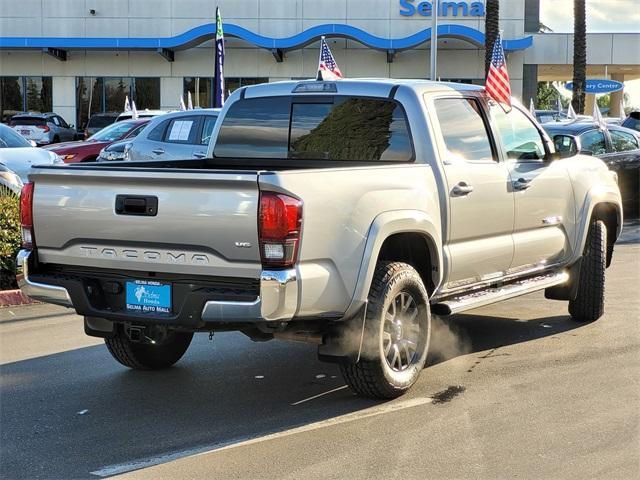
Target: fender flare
[595, 196]
[383, 226]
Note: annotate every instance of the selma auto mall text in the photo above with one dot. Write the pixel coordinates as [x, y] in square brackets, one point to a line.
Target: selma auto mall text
[409, 8]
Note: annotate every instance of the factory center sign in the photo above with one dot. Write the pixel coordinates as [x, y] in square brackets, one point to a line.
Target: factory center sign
[409, 8]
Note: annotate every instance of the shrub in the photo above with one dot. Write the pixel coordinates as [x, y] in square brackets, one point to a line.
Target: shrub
[9, 239]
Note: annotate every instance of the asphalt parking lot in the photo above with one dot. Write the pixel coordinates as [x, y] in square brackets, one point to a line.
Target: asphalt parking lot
[517, 390]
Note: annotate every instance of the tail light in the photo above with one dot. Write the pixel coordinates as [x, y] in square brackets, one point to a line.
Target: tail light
[26, 216]
[279, 228]
[44, 128]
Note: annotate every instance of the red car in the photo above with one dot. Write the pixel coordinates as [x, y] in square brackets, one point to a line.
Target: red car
[88, 151]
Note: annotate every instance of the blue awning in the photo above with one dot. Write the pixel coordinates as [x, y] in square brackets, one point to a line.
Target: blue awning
[205, 32]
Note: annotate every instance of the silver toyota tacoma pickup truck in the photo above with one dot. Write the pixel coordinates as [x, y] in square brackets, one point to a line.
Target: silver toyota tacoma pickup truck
[340, 213]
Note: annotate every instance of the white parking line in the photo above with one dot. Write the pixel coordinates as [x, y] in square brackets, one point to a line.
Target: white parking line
[319, 395]
[244, 441]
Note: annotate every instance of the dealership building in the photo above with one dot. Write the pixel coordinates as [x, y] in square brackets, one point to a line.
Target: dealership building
[79, 57]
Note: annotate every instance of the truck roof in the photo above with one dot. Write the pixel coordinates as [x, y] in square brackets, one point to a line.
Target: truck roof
[360, 86]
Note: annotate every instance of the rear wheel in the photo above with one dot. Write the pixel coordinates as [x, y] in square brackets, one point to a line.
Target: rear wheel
[149, 356]
[397, 330]
[589, 303]
[56, 139]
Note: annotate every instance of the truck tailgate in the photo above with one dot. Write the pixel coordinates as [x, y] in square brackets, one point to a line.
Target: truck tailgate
[205, 222]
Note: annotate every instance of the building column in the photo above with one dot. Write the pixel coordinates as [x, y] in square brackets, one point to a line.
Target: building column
[170, 91]
[529, 84]
[63, 98]
[616, 97]
[589, 100]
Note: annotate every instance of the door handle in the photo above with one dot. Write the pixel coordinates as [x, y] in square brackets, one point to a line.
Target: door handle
[158, 151]
[137, 205]
[521, 184]
[461, 189]
[199, 154]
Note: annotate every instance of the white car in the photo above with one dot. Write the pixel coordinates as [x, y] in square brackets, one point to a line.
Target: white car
[146, 113]
[17, 155]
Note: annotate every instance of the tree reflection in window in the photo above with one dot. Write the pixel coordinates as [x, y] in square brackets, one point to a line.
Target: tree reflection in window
[352, 129]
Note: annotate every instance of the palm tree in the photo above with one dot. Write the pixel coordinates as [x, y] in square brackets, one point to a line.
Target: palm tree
[579, 55]
[491, 31]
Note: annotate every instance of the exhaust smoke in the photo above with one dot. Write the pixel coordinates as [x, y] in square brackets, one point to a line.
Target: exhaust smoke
[447, 341]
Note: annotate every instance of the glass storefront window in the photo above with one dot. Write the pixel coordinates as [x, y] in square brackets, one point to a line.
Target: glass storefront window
[89, 99]
[146, 92]
[38, 94]
[19, 94]
[204, 85]
[108, 94]
[116, 90]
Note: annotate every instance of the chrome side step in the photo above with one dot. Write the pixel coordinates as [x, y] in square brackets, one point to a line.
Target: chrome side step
[480, 298]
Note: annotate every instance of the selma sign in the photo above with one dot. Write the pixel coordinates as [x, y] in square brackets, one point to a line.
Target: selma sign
[408, 8]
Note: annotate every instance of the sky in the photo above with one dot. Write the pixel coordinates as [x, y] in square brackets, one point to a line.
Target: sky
[602, 16]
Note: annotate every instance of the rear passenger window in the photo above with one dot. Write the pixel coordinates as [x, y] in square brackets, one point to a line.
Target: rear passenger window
[463, 129]
[158, 131]
[182, 130]
[331, 128]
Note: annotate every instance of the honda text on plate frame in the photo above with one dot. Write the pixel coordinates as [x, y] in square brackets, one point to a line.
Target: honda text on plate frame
[148, 297]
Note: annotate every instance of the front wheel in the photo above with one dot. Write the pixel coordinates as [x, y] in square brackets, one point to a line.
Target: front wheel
[397, 331]
[149, 356]
[589, 303]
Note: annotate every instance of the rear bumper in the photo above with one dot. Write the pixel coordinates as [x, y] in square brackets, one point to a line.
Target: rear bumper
[277, 299]
[39, 291]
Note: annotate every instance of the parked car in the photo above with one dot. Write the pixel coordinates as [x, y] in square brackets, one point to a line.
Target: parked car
[618, 146]
[545, 116]
[43, 128]
[98, 121]
[17, 155]
[88, 151]
[338, 213]
[113, 152]
[146, 113]
[176, 135]
[632, 121]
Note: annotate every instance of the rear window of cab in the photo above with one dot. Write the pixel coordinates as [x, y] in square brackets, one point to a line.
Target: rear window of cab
[342, 128]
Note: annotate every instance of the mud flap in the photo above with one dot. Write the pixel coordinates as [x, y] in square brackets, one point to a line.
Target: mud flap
[569, 289]
[344, 342]
[99, 327]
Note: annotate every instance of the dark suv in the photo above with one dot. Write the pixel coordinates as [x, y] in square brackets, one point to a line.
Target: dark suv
[98, 121]
[632, 121]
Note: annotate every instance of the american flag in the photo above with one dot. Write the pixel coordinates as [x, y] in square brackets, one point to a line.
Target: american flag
[497, 84]
[327, 68]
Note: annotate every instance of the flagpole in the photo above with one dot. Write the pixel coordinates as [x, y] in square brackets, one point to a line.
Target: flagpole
[319, 74]
[434, 39]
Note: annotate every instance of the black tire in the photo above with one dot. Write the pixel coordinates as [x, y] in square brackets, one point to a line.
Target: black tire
[374, 376]
[589, 303]
[56, 139]
[145, 356]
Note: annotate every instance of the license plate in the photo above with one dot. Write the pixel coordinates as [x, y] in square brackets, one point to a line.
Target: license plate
[26, 133]
[147, 296]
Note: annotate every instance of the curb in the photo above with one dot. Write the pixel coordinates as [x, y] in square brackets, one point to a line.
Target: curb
[10, 298]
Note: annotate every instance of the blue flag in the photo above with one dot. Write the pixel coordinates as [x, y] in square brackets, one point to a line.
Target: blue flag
[218, 80]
